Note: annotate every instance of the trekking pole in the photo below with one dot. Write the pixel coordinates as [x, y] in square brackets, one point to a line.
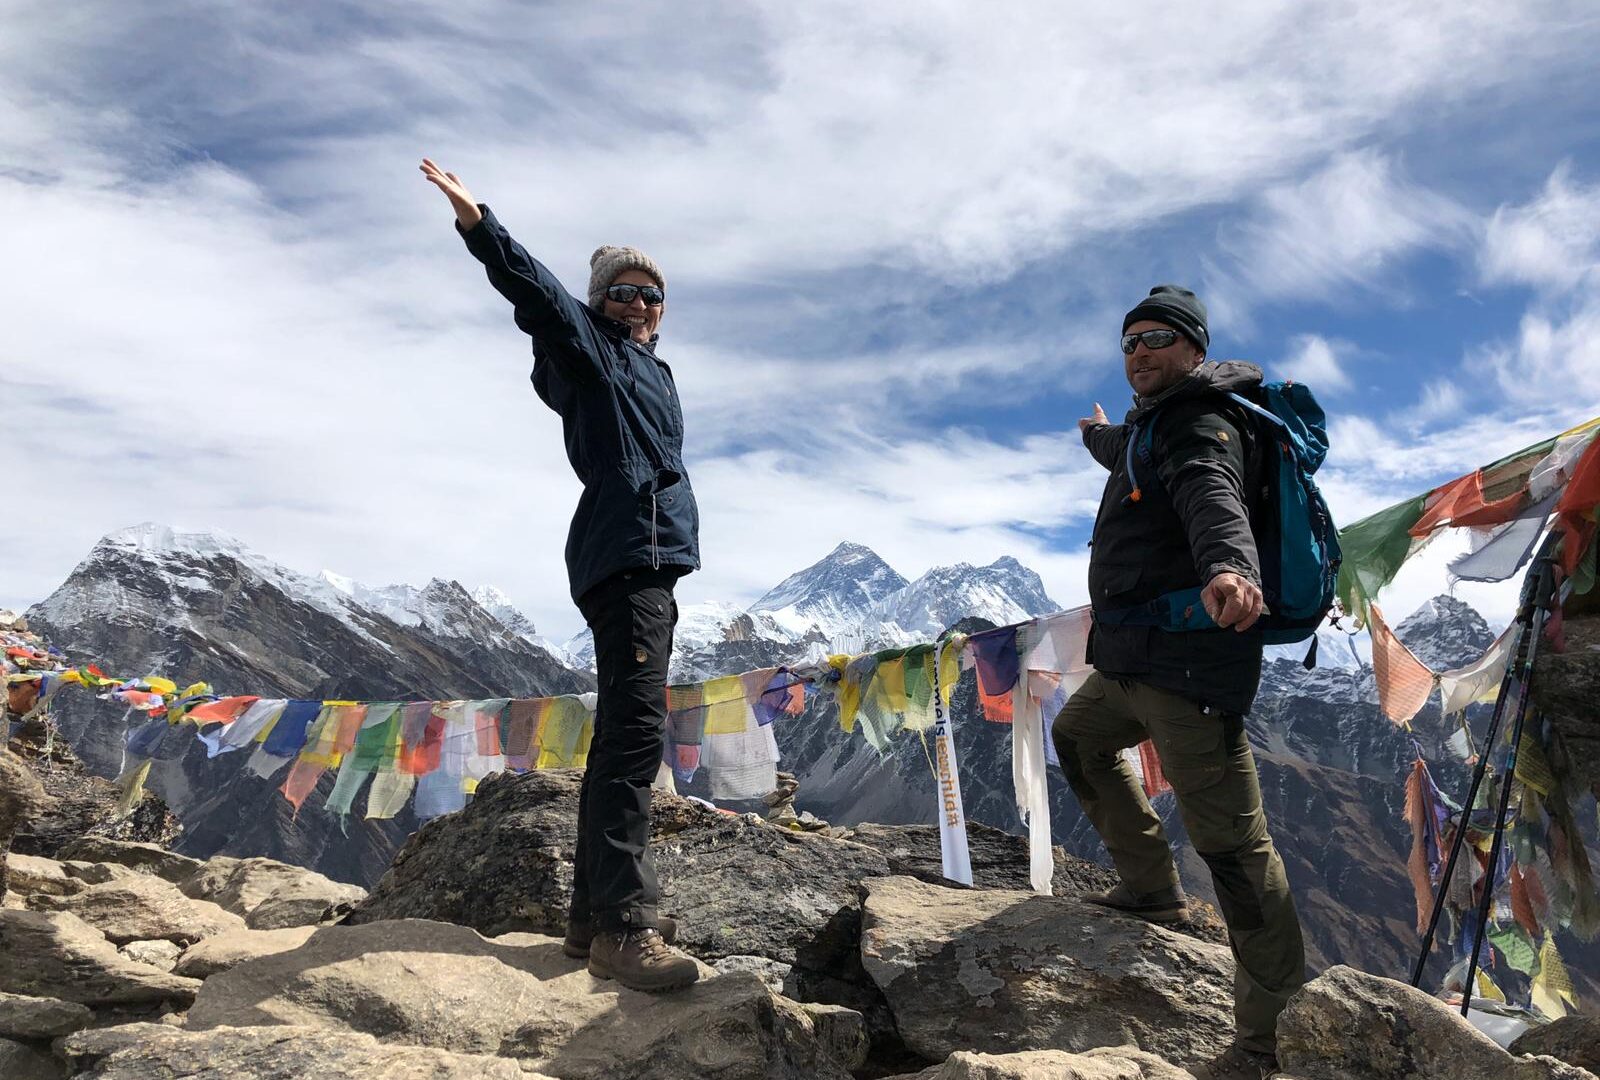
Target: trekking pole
[1545, 587]
[1529, 610]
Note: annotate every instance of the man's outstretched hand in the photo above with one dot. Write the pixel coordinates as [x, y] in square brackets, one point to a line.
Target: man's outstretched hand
[1233, 601]
[466, 207]
[1099, 417]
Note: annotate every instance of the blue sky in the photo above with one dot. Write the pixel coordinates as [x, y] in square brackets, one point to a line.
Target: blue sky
[899, 239]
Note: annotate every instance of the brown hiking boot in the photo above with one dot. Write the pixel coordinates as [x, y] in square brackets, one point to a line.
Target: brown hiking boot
[1236, 1063]
[580, 934]
[1164, 906]
[640, 960]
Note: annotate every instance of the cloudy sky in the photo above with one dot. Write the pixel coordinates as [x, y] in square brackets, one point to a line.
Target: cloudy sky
[899, 239]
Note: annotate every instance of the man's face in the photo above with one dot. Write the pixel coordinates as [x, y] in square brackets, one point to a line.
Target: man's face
[1150, 371]
[640, 318]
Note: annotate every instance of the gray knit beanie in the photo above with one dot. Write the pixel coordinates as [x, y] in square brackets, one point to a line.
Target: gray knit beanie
[607, 262]
[1178, 308]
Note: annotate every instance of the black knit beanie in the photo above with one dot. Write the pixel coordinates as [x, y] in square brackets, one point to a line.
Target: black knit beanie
[1178, 308]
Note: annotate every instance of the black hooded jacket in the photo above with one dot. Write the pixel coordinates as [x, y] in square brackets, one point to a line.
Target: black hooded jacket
[1190, 523]
[619, 413]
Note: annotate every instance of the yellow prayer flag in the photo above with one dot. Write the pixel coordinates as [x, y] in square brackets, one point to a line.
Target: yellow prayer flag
[727, 712]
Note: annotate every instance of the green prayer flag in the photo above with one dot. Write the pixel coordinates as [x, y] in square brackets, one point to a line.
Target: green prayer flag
[1374, 549]
[1515, 945]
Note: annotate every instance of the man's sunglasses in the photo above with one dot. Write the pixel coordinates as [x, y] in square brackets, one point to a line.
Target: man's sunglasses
[624, 294]
[1153, 339]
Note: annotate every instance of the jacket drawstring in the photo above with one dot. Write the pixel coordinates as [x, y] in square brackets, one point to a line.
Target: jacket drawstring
[655, 538]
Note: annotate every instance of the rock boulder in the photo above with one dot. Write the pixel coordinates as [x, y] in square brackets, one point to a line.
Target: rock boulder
[57, 954]
[1107, 1063]
[146, 858]
[18, 1061]
[21, 797]
[268, 894]
[24, 1017]
[1346, 1023]
[142, 1051]
[746, 895]
[32, 874]
[1573, 1039]
[134, 908]
[433, 984]
[205, 958]
[1002, 971]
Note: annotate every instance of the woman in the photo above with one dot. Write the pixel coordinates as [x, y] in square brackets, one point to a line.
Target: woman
[634, 534]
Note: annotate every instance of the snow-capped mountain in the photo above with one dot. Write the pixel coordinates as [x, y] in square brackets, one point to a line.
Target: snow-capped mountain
[1003, 592]
[201, 606]
[1445, 633]
[832, 596]
[510, 616]
[849, 601]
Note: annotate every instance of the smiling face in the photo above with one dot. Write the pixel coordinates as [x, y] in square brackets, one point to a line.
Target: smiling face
[1151, 371]
[641, 319]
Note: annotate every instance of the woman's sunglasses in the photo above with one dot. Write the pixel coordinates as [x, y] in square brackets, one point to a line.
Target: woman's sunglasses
[1153, 339]
[624, 294]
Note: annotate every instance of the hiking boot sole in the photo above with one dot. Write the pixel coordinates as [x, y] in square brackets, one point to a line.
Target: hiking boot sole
[1165, 914]
[661, 986]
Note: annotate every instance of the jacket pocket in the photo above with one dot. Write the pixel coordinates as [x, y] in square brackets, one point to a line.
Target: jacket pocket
[1117, 585]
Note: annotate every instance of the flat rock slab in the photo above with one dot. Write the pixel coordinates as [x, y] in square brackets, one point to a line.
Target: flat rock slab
[1346, 1023]
[434, 984]
[34, 874]
[786, 903]
[98, 873]
[1574, 1039]
[1106, 1063]
[26, 1017]
[21, 1062]
[135, 908]
[145, 858]
[145, 1051]
[206, 958]
[269, 894]
[56, 954]
[1002, 971]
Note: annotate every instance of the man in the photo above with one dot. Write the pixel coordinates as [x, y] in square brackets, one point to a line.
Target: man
[1182, 521]
[635, 532]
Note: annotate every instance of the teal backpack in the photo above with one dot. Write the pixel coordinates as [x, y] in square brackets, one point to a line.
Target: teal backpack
[1294, 533]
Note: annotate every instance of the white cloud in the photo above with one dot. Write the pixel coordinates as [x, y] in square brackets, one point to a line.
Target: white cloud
[234, 303]
[1551, 242]
[1340, 231]
[1314, 363]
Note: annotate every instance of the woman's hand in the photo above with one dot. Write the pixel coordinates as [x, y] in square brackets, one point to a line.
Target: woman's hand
[466, 207]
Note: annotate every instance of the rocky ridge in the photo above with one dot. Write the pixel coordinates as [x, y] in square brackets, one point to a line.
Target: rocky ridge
[427, 978]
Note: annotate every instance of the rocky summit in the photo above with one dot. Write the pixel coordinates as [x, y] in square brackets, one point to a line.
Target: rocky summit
[825, 955]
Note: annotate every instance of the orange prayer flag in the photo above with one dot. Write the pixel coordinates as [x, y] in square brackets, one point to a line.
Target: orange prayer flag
[1404, 682]
[223, 711]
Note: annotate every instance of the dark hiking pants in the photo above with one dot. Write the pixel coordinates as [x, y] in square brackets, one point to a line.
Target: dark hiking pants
[1207, 759]
[632, 615]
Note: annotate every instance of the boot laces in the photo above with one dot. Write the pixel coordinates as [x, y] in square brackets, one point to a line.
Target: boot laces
[653, 948]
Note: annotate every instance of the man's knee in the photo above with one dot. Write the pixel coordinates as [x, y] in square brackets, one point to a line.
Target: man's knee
[1079, 763]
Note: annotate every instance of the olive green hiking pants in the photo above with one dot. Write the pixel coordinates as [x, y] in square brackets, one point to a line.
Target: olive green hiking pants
[1207, 759]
